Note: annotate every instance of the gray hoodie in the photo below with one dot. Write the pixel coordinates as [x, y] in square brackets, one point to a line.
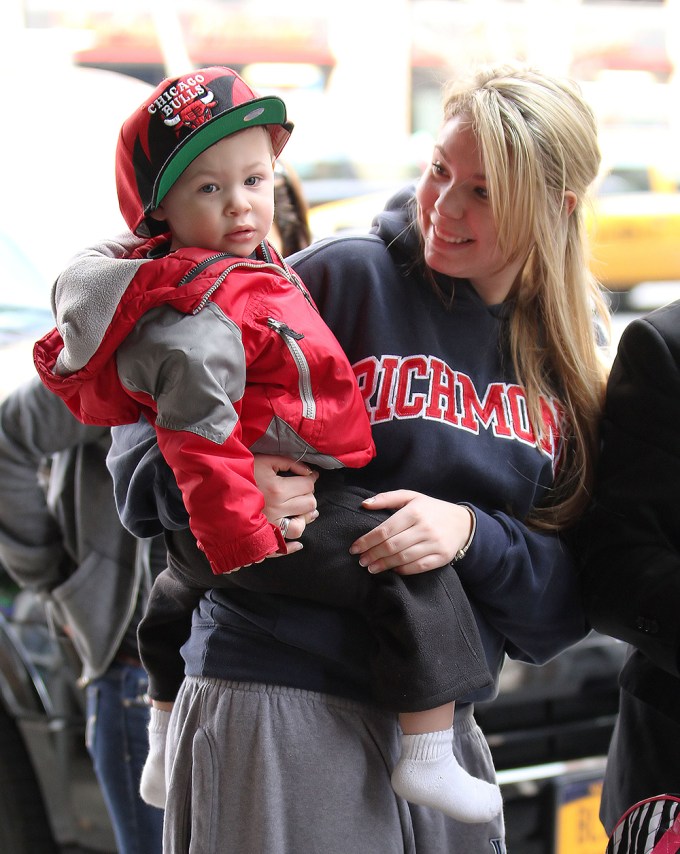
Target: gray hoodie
[62, 536]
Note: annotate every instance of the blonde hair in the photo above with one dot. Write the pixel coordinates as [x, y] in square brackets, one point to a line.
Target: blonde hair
[538, 140]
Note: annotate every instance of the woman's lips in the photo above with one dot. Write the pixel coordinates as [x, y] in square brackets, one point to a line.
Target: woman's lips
[455, 241]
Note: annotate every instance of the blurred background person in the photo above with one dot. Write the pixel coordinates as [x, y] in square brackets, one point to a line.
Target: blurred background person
[631, 559]
[60, 535]
[290, 231]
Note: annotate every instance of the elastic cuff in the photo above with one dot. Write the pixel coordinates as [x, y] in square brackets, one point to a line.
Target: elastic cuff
[426, 746]
[158, 720]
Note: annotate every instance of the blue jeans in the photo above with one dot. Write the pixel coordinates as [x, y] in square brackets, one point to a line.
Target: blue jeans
[118, 742]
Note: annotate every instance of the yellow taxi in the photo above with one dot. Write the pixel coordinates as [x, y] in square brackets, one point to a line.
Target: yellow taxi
[634, 225]
[635, 228]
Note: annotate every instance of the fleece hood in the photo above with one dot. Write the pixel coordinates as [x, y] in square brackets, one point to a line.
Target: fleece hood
[396, 225]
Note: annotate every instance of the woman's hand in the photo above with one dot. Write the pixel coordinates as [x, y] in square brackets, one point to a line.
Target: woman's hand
[422, 534]
[290, 497]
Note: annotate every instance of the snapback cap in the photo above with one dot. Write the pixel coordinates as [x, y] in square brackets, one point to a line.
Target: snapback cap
[181, 118]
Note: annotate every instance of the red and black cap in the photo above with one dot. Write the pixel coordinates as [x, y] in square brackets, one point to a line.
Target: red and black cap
[180, 119]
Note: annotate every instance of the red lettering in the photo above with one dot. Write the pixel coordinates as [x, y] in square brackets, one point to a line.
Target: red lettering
[407, 403]
[366, 372]
[550, 435]
[442, 404]
[383, 408]
[387, 387]
[519, 415]
[491, 412]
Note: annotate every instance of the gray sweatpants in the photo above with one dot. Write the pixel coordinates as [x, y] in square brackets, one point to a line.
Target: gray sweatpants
[259, 769]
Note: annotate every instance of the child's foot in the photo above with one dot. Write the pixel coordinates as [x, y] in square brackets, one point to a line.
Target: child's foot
[152, 783]
[429, 774]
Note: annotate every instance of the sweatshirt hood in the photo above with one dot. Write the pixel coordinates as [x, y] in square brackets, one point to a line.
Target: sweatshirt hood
[396, 224]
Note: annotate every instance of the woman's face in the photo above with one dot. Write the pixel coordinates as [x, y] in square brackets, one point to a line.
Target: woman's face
[454, 214]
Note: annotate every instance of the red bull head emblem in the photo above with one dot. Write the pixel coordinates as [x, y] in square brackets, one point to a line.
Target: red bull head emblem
[185, 104]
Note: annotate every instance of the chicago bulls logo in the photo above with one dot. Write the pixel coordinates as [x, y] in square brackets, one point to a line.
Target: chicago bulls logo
[186, 104]
[194, 114]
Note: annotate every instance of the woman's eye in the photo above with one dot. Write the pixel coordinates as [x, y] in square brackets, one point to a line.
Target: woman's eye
[482, 192]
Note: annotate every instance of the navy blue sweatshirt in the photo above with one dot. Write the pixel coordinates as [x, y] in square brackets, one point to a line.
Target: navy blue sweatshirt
[449, 420]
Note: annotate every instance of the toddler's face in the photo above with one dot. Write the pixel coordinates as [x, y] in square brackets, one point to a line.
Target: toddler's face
[224, 199]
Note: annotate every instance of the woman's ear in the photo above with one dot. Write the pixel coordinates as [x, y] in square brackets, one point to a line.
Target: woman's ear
[570, 199]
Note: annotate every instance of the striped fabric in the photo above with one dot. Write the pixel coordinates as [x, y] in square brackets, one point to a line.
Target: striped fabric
[651, 826]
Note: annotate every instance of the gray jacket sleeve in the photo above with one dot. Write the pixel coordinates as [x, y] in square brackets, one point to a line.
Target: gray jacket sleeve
[34, 424]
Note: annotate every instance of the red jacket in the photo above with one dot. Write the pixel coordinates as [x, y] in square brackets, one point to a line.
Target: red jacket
[227, 357]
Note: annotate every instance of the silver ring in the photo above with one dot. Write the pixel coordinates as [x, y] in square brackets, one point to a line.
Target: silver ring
[284, 525]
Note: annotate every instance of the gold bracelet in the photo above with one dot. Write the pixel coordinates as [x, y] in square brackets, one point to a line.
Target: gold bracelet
[464, 549]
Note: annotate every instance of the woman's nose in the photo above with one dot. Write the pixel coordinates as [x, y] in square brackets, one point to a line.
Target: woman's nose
[450, 203]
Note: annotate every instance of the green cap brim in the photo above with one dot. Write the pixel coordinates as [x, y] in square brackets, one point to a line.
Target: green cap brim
[261, 111]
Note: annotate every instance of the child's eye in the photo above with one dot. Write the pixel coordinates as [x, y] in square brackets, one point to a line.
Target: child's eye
[253, 181]
[437, 168]
[209, 188]
[482, 192]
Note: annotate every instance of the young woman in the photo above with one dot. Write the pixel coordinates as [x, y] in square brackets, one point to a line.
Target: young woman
[469, 316]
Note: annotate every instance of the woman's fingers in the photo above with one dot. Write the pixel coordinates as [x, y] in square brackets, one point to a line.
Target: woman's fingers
[422, 534]
[381, 540]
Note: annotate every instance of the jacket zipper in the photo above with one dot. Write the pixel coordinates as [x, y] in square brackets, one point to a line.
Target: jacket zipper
[291, 338]
[214, 259]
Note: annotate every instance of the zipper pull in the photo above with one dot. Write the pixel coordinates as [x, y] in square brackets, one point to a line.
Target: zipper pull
[283, 329]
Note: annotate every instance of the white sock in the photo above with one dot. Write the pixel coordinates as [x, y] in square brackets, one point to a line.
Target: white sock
[428, 773]
[152, 784]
